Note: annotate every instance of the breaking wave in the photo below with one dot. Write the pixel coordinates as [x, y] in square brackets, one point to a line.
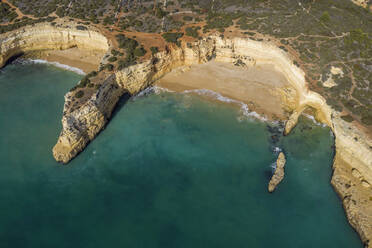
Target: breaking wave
[313, 120]
[246, 112]
[56, 64]
[243, 107]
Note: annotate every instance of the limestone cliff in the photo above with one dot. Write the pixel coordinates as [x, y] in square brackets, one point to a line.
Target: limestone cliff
[81, 125]
[45, 36]
[278, 173]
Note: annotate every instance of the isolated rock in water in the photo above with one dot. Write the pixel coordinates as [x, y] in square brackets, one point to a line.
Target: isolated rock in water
[278, 174]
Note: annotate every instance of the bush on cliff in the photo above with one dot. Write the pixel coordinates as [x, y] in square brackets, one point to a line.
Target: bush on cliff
[139, 52]
[84, 82]
[154, 50]
[192, 31]
[91, 74]
[347, 118]
[172, 37]
[79, 94]
[109, 67]
[112, 59]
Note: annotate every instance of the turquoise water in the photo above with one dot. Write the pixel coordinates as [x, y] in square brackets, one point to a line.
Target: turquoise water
[170, 170]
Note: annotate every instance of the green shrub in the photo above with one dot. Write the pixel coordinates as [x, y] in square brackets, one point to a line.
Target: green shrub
[172, 37]
[112, 59]
[159, 13]
[325, 17]
[192, 31]
[366, 118]
[347, 118]
[109, 67]
[60, 12]
[139, 52]
[188, 18]
[83, 82]
[114, 52]
[79, 94]
[154, 50]
[91, 74]
[80, 27]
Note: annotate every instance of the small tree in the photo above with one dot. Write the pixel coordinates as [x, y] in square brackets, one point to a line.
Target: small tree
[325, 17]
[154, 50]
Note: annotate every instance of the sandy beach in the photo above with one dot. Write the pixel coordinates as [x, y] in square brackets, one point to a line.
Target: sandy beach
[85, 60]
[257, 86]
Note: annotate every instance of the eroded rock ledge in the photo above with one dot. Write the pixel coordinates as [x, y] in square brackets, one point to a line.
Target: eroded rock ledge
[82, 123]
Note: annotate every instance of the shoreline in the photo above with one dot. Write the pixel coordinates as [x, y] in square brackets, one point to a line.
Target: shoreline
[257, 89]
[212, 96]
[82, 61]
[54, 64]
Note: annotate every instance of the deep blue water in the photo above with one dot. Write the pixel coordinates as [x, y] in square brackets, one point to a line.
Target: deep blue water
[170, 170]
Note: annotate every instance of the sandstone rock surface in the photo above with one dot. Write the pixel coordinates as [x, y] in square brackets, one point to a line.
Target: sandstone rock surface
[278, 174]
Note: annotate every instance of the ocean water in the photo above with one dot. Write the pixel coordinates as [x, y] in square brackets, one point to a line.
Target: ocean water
[170, 170]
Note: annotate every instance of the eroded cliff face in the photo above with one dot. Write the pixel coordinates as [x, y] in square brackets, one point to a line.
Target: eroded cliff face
[81, 125]
[44, 36]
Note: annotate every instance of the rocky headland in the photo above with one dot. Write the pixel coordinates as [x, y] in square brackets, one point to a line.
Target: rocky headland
[83, 119]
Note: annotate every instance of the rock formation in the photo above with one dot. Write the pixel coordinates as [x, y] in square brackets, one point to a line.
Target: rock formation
[362, 3]
[278, 173]
[82, 123]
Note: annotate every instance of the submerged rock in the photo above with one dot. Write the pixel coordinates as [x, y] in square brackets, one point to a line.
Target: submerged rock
[279, 172]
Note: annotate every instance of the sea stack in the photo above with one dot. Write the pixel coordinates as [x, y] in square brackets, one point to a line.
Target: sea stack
[278, 174]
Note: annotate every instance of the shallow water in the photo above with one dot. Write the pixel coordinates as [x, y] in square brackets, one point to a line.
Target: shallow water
[170, 170]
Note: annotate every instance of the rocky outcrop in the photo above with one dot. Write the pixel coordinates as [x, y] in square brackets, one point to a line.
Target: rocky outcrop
[45, 36]
[356, 196]
[278, 173]
[81, 125]
[362, 3]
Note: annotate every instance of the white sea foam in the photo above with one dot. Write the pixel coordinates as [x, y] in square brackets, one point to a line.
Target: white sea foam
[59, 65]
[277, 149]
[150, 90]
[273, 166]
[313, 120]
[246, 113]
[243, 107]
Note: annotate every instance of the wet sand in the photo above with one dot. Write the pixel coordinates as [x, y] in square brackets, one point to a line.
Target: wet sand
[257, 86]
